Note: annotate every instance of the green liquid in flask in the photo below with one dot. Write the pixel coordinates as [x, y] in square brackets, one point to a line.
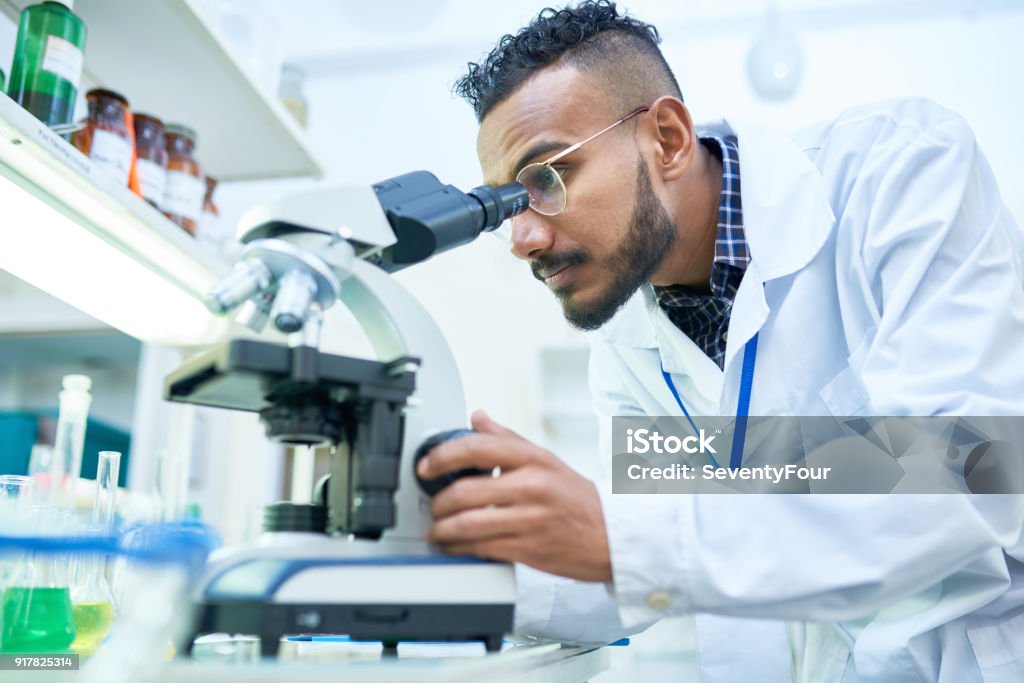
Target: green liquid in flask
[37, 620]
[92, 623]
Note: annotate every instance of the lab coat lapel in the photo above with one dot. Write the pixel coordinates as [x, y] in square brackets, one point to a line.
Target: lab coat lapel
[681, 356]
[787, 218]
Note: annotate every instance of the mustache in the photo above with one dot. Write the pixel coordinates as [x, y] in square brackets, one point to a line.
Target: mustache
[546, 266]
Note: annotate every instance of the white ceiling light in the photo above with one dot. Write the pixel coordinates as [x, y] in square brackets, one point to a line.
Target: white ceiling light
[775, 62]
[48, 250]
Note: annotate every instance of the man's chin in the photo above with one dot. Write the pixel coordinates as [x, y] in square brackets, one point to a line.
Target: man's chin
[585, 315]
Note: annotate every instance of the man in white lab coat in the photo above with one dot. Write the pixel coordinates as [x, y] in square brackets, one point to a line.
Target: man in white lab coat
[874, 261]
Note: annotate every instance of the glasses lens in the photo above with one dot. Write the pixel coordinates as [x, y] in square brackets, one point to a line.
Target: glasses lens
[547, 192]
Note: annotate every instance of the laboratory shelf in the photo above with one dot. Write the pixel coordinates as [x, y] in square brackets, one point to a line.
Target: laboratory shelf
[40, 169]
[168, 61]
[43, 163]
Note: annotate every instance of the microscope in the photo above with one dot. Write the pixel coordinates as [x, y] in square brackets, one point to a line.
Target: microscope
[355, 561]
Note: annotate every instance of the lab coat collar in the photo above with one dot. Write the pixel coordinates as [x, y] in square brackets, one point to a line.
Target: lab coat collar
[786, 211]
[787, 218]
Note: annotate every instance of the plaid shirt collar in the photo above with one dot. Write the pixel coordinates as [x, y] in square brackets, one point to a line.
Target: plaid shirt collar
[730, 242]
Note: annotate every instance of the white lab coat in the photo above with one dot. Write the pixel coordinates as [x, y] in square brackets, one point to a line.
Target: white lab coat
[886, 279]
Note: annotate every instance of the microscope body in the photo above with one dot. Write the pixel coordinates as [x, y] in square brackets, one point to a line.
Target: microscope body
[355, 562]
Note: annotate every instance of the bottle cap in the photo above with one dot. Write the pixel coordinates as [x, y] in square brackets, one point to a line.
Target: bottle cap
[76, 383]
[193, 511]
[179, 129]
[107, 94]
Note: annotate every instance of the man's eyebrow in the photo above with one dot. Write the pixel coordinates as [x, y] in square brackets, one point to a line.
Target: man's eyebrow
[534, 152]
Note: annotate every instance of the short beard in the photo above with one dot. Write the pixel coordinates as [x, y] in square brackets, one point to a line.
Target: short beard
[651, 235]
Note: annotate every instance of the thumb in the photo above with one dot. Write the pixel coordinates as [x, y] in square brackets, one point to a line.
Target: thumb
[483, 423]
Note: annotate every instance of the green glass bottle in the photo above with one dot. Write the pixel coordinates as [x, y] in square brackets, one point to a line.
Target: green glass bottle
[47, 65]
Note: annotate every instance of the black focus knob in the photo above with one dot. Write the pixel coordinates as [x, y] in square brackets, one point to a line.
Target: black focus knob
[433, 486]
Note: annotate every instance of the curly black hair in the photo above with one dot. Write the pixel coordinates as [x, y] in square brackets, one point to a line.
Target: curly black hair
[590, 36]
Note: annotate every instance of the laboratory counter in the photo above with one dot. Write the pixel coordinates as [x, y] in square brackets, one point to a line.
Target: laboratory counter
[326, 662]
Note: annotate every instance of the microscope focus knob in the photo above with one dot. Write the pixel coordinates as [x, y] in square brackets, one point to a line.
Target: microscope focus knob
[433, 486]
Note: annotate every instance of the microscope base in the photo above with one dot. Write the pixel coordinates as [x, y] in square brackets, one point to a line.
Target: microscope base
[388, 623]
[301, 584]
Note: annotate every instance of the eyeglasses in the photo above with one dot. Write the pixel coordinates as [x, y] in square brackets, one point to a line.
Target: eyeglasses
[544, 183]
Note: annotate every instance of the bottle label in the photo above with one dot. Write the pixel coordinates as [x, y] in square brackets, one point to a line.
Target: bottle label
[63, 59]
[112, 153]
[152, 180]
[183, 195]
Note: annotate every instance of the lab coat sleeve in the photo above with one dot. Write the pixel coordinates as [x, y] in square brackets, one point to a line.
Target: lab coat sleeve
[937, 246]
[941, 267]
[562, 609]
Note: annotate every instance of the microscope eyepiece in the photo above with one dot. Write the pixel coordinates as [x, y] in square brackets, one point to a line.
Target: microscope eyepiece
[500, 203]
[429, 217]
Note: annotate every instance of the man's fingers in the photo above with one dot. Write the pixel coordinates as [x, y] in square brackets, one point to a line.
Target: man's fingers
[479, 492]
[483, 423]
[480, 451]
[504, 549]
[480, 524]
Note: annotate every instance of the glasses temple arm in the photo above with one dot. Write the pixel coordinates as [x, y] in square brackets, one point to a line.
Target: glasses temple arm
[573, 148]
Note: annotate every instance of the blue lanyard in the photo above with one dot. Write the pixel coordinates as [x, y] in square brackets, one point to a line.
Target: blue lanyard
[742, 406]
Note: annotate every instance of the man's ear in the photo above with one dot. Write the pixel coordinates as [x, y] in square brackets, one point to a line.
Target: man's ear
[675, 139]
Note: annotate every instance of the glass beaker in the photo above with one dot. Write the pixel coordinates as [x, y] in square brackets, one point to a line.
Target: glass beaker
[92, 598]
[16, 497]
[36, 606]
[16, 494]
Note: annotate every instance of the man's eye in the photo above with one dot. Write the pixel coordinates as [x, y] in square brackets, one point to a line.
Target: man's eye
[549, 178]
[546, 178]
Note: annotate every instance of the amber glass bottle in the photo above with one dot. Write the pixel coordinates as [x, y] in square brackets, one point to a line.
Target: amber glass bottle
[183, 196]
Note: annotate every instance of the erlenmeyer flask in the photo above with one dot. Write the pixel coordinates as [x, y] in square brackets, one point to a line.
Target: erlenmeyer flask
[92, 598]
[37, 603]
[92, 604]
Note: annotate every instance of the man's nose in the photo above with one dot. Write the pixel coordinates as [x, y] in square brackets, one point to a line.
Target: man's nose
[532, 234]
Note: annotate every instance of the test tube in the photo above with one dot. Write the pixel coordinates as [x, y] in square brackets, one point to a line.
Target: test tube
[66, 466]
[105, 504]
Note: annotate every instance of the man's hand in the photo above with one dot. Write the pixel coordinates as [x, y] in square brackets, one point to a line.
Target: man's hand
[538, 511]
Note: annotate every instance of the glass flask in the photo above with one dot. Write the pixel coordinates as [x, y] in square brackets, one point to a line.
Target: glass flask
[92, 598]
[36, 605]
